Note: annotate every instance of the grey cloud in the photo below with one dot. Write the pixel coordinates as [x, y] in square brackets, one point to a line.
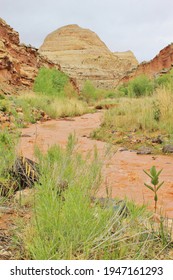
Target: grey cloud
[144, 26]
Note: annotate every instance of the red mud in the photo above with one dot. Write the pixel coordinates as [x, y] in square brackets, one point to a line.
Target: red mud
[123, 172]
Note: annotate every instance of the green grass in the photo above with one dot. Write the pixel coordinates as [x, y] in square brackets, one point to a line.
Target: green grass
[139, 86]
[53, 95]
[165, 80]
[138, 118]
[8, 143]
[33, 107]
[66, 224]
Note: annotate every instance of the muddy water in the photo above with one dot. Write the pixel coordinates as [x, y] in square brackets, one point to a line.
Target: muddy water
[123, 172]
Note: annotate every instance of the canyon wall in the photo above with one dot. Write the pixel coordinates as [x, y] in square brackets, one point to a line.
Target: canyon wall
[160, 64]
[19, 63]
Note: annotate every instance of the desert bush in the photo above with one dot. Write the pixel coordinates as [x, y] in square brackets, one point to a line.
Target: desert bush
[165, 80]
[90, 94]
[51, 82]
[88, 91]
[139, 86]
[122, 90]
[4, 105]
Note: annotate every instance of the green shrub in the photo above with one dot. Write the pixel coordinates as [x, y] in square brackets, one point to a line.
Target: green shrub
[50, 82]
[91, 94]
[140, 86]
[88, 91]
[4, 105]
[122, 90]
[165, 80]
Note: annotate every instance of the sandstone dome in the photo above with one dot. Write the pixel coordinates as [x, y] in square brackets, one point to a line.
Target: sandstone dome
[82, 55]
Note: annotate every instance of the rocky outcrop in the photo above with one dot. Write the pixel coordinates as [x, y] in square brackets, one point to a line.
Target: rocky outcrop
[82, 55]
[19, 63]
[127, 58]
[160, 64]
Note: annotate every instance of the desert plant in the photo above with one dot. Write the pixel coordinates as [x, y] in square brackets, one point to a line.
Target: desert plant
[51, 82]
[7, 157]
[88, 91]
[67, 224]
[156, 110]
[165, 80]
[91, 94]
[122, 90]
[53, 106]
[140, 86]
[154, 175]
[4, 105]
[7, 151]
[147, 115]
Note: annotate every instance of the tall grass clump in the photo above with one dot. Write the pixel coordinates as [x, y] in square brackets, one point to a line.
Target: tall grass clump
[67, 224]
[54, 106]
[163, 107]
[150, 116]
[7, 157]
[131, 114]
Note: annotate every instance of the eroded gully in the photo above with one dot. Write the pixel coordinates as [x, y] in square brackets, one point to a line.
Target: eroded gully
[122, 172]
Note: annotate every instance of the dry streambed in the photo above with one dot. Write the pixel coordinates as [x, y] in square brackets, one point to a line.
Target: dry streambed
[122, 172]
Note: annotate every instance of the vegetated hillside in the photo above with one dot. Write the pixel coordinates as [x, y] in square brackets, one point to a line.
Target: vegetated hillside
[19, 64]
[160, 64]
[83, 55]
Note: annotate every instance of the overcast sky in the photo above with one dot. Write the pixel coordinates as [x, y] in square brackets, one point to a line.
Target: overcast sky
[143, 26]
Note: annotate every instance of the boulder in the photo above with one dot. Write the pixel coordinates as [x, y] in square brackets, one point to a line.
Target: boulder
[144, 151]
[167, 149]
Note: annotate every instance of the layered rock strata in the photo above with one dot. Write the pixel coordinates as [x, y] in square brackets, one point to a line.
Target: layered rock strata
[19, 63]
[82, 55]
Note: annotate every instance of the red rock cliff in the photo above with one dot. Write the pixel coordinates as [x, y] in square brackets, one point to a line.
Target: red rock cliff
[19, 64]
[161, 62]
